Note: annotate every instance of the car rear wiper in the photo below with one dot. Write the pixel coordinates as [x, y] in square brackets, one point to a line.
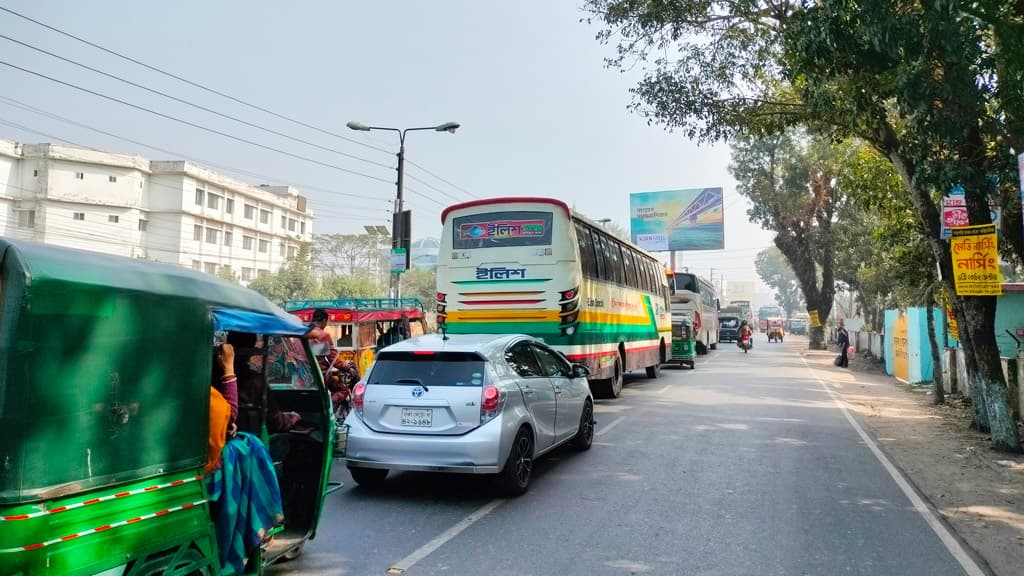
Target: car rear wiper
[412, 381]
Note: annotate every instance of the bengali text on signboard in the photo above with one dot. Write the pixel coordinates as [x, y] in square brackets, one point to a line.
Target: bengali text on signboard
[975, 251]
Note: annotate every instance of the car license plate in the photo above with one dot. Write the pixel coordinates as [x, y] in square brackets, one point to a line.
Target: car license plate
[417, 417]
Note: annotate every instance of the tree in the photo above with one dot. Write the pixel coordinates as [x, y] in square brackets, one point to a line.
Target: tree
[293, 281]
[774, 271]
[345, 254]
[791, 182]
[919, 82]
[421, 283]
[226, 273]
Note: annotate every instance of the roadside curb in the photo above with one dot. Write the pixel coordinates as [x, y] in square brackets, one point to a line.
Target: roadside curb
[824, 374]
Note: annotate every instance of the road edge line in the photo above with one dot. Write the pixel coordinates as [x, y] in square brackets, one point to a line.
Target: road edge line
[612, 424]
[946, 536]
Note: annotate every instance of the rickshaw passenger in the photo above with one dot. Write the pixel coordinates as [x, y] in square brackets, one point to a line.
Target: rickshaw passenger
[245, 499]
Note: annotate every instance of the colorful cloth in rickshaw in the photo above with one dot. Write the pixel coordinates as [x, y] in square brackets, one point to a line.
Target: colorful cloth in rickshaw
[245, 500]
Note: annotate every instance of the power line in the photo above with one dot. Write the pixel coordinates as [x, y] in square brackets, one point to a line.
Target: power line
[190, 82]
[192, 124]
[194, 105]
[456, 186]
[432, 187]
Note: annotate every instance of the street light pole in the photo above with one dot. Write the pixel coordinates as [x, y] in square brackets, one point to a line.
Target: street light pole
[396, 219]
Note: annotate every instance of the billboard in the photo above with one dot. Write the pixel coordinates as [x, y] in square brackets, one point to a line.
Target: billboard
[690, 219]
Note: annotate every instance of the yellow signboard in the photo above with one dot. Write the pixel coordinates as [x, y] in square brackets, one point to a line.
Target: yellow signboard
[815, 320]
[900, 350]
[954, 328]
[975, 251]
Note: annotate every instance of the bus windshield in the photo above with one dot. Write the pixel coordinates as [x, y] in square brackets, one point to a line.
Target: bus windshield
[685, 281]
[501, 230]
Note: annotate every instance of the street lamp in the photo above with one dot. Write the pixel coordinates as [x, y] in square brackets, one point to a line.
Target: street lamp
[450, 127]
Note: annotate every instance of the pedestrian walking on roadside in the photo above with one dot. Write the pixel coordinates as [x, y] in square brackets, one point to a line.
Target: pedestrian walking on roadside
[843, 339]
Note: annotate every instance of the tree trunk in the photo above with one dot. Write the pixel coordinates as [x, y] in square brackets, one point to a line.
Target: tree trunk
[940, 392]
[979, 420]
[979, 312]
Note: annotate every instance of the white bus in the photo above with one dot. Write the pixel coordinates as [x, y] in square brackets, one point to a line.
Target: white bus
[533, 266]
[695, 298]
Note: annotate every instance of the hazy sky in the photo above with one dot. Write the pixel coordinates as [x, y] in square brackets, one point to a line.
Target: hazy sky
[540, 114]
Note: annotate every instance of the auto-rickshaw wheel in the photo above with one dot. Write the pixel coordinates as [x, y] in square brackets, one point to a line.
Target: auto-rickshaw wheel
[293, 553]
[161, 564]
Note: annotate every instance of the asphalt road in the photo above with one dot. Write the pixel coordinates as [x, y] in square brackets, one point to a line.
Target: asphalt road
[745, 466]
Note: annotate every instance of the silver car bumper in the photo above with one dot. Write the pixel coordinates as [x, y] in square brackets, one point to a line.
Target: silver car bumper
[476, 452]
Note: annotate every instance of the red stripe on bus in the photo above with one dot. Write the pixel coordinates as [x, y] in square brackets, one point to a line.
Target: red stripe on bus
[103, 528]
[122, 494]
[19, 517]
[58, 509]
[162, 512]
[612, 352]
[93, 501]
[150, 488]
[133, 520]
[69, 537]
[501, 302]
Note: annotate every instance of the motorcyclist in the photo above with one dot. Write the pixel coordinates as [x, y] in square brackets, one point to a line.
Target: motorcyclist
[746, 332]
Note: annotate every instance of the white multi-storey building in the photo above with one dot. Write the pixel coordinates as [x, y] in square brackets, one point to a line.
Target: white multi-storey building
[175, 211]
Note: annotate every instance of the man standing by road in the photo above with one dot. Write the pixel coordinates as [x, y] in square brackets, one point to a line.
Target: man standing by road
[843, 339]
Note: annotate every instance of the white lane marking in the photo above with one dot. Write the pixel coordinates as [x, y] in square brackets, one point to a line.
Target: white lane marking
[948, 540]
[429, 548]
[665, 389]
[609, 427]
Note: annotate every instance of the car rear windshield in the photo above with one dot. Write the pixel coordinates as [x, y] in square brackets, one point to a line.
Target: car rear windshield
[428, 369]
[728, 322]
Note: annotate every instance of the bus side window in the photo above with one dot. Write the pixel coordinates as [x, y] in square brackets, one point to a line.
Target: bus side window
[603, 270]
[613, 256]
[588, 261]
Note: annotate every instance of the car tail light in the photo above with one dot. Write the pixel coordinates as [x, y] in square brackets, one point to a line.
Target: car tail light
[696, 320]
[491, 400]
[358, 396]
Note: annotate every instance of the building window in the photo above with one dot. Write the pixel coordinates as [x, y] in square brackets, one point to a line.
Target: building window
[79, 216]
[197, 265]
[112, 178]
[140, 184]
[264, 246]
[142, 225]
[200, 196]
[212, 235]
[284, 221]
[210, 268]
[250, 211]
[26, 218]
[35, 172]
[291, 251]
[212, 201]
[247, 274]
[264, 216]
[197, 233]
[228, 237]
[263, 273]
[113, 219]
[302, 227]
[80, 175]
[247, 242]
[292, 224]
[229, 205]
[282, 250]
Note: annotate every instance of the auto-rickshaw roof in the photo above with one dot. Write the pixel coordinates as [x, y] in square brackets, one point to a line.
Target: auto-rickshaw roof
[358, 309]
[234, 307]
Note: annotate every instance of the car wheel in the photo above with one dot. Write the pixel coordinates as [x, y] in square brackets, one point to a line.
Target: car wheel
[514, 478]
[609, 387]
[368, 477]
[714, 346]
[585, 433]
[653, 371]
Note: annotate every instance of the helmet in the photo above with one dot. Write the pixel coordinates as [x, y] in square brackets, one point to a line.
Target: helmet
[744, 323]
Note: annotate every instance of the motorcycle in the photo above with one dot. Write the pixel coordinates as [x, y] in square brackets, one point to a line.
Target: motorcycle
[745, 343]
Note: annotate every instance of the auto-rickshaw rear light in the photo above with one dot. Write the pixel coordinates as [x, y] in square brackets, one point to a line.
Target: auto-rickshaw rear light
[359, 395]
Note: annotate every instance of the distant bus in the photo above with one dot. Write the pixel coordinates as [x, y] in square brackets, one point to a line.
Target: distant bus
[746, 309]
[695, 297]
[766, 312]
[534, 266]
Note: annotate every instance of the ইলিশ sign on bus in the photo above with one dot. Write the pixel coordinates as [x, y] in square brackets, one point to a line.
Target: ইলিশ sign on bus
[975, 251]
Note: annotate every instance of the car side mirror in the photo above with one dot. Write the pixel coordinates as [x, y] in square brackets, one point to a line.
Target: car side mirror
[580, 371]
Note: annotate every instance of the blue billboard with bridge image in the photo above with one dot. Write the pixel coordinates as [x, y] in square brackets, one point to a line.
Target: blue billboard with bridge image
[671, 220]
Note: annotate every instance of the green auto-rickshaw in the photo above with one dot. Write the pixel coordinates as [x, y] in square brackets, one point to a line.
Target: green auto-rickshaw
[105, 374]
[684, 345]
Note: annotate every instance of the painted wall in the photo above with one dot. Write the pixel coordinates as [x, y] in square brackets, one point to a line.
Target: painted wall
[908, 355]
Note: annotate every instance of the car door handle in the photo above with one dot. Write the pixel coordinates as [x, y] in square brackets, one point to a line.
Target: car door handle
[527, 391]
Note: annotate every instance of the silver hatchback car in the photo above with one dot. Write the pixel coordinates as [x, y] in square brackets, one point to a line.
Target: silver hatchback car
[478, 404]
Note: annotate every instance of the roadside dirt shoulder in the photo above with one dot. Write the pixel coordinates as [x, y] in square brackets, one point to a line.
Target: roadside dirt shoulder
[979, 491]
